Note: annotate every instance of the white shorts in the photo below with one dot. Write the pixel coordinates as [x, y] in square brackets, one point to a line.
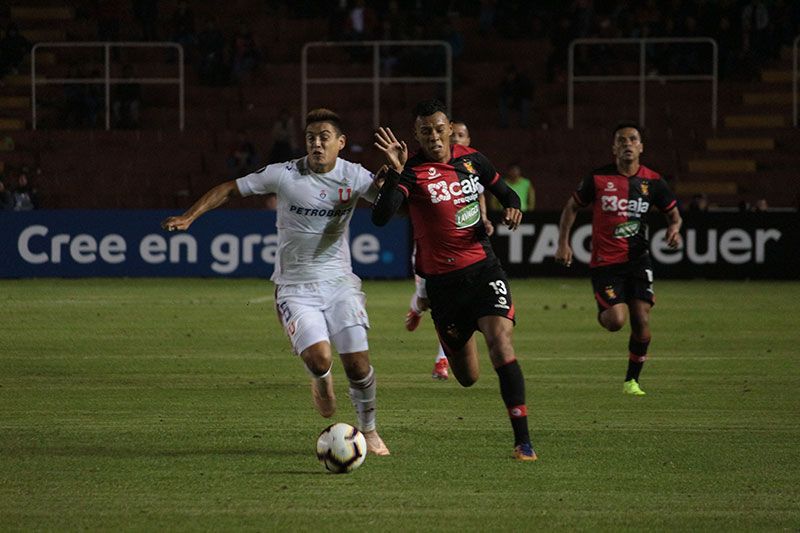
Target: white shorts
[316, 312]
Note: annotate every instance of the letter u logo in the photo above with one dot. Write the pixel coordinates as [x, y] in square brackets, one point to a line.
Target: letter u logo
[342, 199]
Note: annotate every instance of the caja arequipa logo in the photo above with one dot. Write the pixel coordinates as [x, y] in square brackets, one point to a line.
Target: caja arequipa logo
[612, 203]
[441, 191]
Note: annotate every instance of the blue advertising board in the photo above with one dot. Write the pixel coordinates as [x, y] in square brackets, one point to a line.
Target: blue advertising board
[233, 243]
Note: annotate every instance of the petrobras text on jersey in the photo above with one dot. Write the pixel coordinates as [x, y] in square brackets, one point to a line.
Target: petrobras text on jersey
[240, 243]
[441, 191]
[614, 203]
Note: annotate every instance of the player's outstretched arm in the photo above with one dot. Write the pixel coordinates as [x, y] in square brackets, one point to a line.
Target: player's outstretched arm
[389, 197]
[568, 214]
[210, 200]
[674, 223]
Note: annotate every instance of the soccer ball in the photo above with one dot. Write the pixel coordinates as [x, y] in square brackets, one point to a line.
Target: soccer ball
[341, 448]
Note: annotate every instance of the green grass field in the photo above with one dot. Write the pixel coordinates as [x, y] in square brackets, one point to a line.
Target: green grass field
[176, 404]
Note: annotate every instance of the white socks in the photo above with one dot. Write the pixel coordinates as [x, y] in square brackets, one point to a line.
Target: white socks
[362, 394]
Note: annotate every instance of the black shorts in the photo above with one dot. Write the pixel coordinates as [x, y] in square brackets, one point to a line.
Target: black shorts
[458, 303]
[624, 282]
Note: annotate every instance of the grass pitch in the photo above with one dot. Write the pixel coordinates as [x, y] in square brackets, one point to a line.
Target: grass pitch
[176, 404]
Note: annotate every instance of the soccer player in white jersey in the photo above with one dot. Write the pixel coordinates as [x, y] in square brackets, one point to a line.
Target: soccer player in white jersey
[419, 300]
[317, 295]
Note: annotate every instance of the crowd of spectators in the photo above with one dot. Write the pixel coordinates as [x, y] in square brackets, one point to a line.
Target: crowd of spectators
[13, 48]
[749, 33]
[219, 57]
[16, 191]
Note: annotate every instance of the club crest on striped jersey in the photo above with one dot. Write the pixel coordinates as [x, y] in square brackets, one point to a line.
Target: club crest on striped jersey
[469, 166]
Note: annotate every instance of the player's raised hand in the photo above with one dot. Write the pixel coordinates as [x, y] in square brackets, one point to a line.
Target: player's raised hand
[179, 223]
[396, 152]
[512, 217]
[564, 255]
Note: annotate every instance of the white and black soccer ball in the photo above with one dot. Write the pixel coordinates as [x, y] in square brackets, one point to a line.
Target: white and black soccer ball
[341, 448]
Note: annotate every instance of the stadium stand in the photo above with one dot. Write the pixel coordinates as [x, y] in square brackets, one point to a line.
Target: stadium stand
[752, 154]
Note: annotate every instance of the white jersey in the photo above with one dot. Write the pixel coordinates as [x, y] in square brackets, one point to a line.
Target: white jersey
[314, 212]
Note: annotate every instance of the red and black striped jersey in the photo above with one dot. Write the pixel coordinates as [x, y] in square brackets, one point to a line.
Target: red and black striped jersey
[619, 228]
[443, 204]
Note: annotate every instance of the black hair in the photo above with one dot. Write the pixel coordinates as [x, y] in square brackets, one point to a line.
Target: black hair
[427, 108]
[628, 124]
[324, 115]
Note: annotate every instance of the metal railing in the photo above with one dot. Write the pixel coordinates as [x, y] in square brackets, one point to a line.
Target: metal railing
[795, 46]
[107, 80]
[642, 77]
[376, 79]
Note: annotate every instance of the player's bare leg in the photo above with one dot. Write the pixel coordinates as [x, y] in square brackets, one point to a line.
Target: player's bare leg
[363, 392]
[464, 362]
[318, 361]
[614, 318]
[498, 332]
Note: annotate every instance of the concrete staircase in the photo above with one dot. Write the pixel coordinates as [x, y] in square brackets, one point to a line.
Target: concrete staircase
[40, 22]
[754, 147]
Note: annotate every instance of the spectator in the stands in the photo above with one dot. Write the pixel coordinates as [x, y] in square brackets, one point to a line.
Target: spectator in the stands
[755, 29]
[242, 156]
[126, 101]
[246, 55]
[361, 22]
[183, 31]
[284, 138]
[516, 94]
[728, 40]
[6, 201]
[699, 203]
[560, 39]
[522, 186]
[82, 102]
[487, 15]
[146, 14]
[24, 195]
[211, 51]
[761, 206]
[13, 47]
[107, 16]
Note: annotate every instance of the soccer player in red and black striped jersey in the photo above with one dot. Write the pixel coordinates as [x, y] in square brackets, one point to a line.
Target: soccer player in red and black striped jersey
[467, 288]
[621, 270]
